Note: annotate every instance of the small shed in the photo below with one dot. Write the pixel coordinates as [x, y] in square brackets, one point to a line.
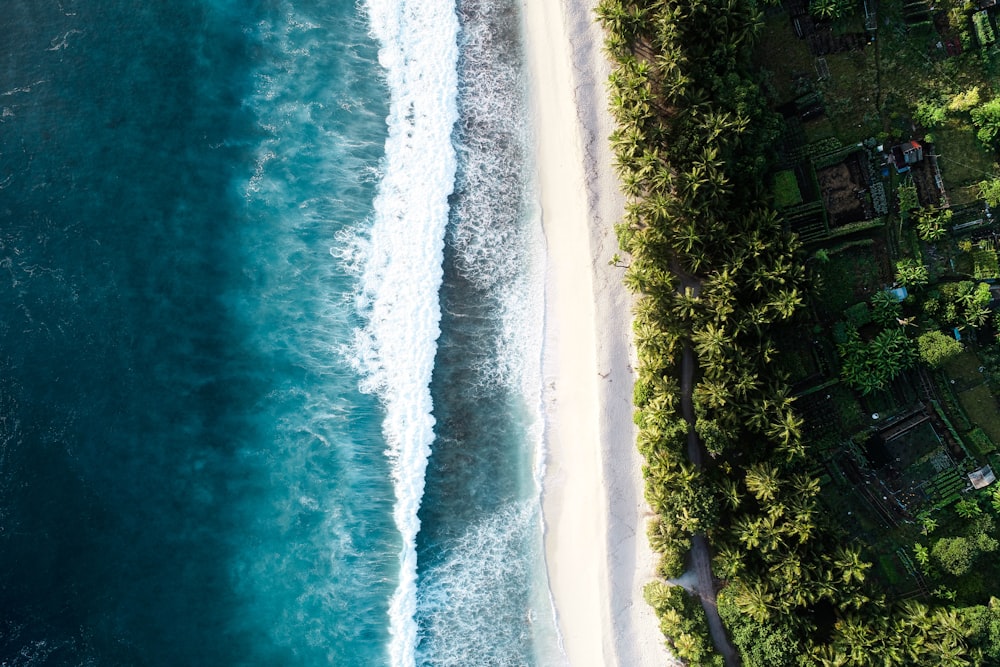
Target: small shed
[982, 478]
[904, 155]
[899, 293]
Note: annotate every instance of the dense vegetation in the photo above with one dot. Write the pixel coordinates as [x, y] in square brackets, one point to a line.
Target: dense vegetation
[718, 277]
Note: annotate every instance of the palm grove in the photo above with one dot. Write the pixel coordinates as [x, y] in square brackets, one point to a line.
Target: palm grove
[717, 279]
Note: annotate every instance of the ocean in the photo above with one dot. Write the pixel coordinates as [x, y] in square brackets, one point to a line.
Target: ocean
[271, 285]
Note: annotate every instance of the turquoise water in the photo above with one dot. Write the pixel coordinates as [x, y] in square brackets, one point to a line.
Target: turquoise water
[270, 336]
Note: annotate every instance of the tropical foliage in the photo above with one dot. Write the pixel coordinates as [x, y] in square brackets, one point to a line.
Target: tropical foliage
[718, 278]
[935, 348]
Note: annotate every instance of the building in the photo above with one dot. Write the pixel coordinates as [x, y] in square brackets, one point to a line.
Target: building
[906, 154]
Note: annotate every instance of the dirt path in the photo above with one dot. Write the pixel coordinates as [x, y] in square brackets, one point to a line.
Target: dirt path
[701, 556]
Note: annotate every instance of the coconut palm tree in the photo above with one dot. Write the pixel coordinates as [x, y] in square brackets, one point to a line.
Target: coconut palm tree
[763, 481]
[786, 428]
[728, 562]
[786, 302]
[754, 598]
[731, 494]
[847, 560]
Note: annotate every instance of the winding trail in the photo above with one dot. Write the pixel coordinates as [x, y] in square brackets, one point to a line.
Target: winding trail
[701, 555]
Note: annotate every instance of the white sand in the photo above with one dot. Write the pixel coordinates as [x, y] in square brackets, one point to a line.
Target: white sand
[597, 555]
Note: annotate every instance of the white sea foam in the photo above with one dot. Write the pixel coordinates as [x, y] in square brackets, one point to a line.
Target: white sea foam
[499, 248]
[496, 234]
[403, 269]
[470, 617]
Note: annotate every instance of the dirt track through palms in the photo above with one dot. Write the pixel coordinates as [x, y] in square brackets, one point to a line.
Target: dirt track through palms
[701, 556]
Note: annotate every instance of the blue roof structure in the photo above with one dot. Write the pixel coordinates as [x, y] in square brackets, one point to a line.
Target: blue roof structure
[900, 293]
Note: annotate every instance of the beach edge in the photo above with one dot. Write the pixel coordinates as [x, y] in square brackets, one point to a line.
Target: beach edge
[597, 555]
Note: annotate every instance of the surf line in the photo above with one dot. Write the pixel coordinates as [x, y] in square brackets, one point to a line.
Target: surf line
[402, 275]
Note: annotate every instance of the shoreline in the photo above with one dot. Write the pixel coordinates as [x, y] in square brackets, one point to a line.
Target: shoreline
[596, 551]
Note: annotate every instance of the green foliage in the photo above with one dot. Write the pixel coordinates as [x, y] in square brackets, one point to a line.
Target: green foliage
[961, 304]
[987, 120]
[830, 9]
[935, 348]
[965, 100]
[954, 554]
[933, 223]
[908, 200]
[858, 315]
[980, 442]
[716, 438]
[984, 30]
[912, 634]
[930, 114]
[984, 261]
[764, 644]
[968, 508]
[786, 189]
[871, 366]
[990, 191]
[693, 143]
[922, 555]
[683, 622]
[911, 273]
[886, 310]
[984, 624]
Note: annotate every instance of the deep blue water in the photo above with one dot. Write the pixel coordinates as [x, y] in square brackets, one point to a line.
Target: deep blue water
[199, 452]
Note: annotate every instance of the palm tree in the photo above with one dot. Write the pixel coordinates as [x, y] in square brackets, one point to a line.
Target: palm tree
[728, 562]
[754, 599]
[710, 341]
[850, 564]
[801, 526]
[786, 302]
[748, 531]
[687, 305]
[713, 394]
[858, 637]
[968, 508]
[745, 384]
[804, 485]
[730, 492]
[786, 429]
[763, 481]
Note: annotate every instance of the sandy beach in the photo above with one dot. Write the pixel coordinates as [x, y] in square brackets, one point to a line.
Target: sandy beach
[597, 555]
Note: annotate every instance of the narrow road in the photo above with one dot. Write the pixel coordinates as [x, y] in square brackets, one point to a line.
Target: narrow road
[701, 556]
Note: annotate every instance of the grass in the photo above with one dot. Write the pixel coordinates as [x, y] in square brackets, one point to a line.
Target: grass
[980, 442]
[786, 189]
[964, 371]
[785, 56]
[888, 569]
[981, 407]
[963, 160]
[851, 93]
[849, 417]
[845, 278]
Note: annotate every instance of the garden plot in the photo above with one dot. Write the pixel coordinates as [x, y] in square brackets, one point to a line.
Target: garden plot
[844, 188]
[981, 408]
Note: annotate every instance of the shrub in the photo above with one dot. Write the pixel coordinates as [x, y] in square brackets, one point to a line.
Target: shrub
[683, 621]
[987, 119]
[935, 348]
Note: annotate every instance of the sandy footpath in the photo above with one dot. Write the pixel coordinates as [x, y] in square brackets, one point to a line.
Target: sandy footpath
[596, 550]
